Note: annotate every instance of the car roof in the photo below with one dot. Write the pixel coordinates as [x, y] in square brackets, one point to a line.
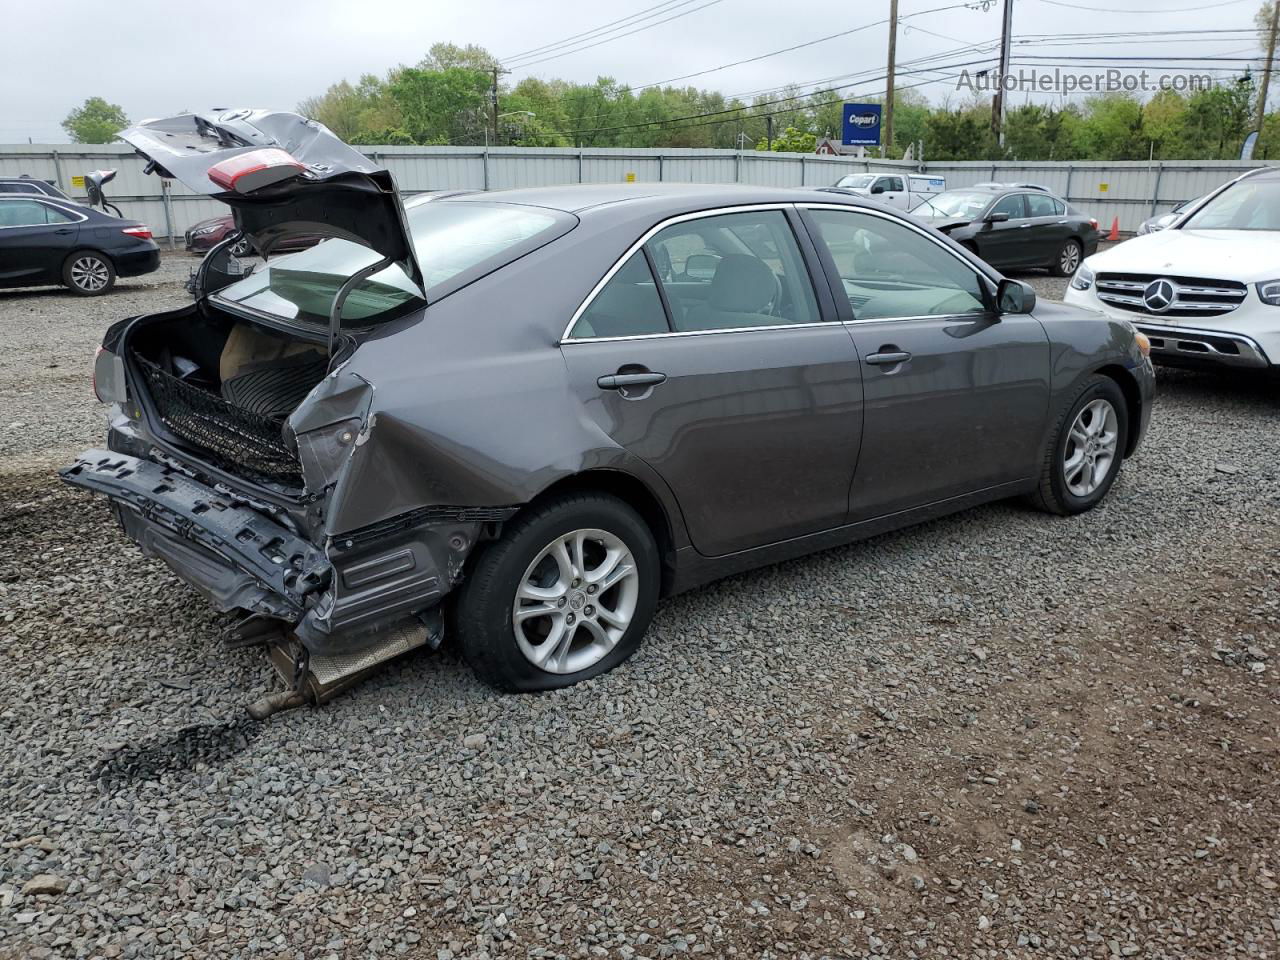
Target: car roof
[578, 198]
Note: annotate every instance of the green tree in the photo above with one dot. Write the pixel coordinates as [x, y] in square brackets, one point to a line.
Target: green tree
[95, 121]
[792, 140]
[441, 106]
[960, 134]
[1112, 129]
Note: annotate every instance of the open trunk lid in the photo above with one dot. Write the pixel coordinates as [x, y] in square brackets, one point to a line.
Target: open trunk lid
[282, 175]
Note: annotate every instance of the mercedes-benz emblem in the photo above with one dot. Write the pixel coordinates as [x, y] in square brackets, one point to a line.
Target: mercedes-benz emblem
[1158, 295]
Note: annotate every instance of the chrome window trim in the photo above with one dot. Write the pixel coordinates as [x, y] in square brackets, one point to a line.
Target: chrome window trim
[928, 235]
[645, 238]
[42, 199]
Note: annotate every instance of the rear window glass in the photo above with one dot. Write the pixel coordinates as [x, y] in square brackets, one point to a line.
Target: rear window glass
[452, 241]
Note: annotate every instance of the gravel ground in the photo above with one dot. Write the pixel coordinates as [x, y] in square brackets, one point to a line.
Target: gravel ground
[1000, 734]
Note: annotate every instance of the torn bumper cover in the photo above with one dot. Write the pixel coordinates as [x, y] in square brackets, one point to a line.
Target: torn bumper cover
[234, 555]
[335, 599]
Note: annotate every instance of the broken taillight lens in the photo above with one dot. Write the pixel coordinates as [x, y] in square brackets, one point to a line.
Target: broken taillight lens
[247, 172]
[142, 232]
[96, 354]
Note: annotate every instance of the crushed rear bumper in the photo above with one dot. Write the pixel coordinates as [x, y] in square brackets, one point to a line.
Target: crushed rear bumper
[235, 556]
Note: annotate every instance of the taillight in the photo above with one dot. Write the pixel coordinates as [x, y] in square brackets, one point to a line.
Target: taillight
[247, 172]
[142, 232]
[1093, 223]
[96, 354]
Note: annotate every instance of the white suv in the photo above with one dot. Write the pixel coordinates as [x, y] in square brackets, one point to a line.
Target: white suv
[1206, 291]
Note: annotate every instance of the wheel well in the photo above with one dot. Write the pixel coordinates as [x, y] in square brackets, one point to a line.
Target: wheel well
[94, 250]
[1132, 399]
[636, 495]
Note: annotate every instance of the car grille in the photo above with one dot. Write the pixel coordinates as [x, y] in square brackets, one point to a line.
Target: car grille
[1191, 296]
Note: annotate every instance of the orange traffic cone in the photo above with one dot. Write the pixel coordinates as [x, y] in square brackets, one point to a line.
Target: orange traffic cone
[1114, 235]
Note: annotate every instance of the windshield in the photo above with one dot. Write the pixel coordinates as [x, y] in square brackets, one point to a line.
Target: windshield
[1248, 205]
[448, 239]
[857, 181]
[956, 203]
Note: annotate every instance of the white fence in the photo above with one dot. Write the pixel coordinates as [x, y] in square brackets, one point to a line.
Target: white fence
[1129, 191]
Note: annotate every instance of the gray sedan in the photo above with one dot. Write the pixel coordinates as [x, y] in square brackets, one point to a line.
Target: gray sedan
[525, 417]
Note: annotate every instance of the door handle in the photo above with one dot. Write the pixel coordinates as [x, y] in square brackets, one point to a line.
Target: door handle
[1024, 226]
[64, 231]
[888, 357]
[1064, 221]
[620, 381]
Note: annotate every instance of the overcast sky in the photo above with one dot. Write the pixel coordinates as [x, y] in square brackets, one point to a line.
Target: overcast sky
[158, 58]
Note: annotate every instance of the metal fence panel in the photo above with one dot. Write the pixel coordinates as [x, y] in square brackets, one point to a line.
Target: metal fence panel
[1133, 191]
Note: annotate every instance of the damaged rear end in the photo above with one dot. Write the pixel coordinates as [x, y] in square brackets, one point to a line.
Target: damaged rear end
[240, 430]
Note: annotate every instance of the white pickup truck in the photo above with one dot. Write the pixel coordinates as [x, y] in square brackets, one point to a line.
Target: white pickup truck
[903, 191]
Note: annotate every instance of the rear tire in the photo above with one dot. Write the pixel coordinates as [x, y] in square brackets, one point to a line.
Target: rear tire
[88, 273]
[566, 594]
[1068, 259]
[1086, 449]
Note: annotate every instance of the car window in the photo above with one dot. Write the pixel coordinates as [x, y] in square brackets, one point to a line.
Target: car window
[26, 213]
[1248, 205]
[1041, 205]
[891, 271]
[627, 306]
[17, 188]
[1012, 205]
[891, 183]
[747, 271]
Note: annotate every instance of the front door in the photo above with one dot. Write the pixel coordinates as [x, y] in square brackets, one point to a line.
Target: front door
[955, 396]
[1004, 243]
[731, 376]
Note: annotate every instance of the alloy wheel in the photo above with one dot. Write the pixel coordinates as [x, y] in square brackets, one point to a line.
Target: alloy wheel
[89, 273]
[1091, 447]
[1070, 259]
[575, 601]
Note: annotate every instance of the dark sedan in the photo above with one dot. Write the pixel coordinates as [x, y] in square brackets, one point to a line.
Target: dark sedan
[47, 241]
[207, 234]
[530, 415]
[1014, 226]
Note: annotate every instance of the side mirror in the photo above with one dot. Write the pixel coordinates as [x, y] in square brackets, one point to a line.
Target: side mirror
[1014, 296]
[1000, 217]
[701, 266]
[878, 188]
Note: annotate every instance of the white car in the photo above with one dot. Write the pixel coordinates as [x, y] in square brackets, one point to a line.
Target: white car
[1206, 291]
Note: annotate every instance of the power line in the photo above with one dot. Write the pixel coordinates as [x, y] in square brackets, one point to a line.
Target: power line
[808, 43]
[647, 26]
[646, 13]
[1161, 11]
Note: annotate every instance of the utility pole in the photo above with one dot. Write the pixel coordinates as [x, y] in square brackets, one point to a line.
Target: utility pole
[768, 127]
[997, 102]
[1266, 72]
[493, 99]
[887, 139]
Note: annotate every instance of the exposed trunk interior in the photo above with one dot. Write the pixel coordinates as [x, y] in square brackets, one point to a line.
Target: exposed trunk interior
[224, 387]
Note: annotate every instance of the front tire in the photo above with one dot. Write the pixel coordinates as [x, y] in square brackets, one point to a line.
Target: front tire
[1068, 259]
[1086, 450]
[88, 273]
[566, 594]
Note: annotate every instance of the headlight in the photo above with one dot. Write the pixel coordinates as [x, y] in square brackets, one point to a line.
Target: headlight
[1144, 227]
[1083, 278]
[1143, 342]
[1269, 292]
[201, 231]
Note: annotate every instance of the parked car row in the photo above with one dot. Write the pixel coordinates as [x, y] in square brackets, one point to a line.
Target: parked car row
[698, 380]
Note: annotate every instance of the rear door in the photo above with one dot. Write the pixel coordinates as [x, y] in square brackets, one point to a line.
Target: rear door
[35, 238]
[1003, 243]
[1050, 227]
[955, 395]
[742, 390]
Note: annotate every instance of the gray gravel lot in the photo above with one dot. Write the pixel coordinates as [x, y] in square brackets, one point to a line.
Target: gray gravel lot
[1001, 734]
